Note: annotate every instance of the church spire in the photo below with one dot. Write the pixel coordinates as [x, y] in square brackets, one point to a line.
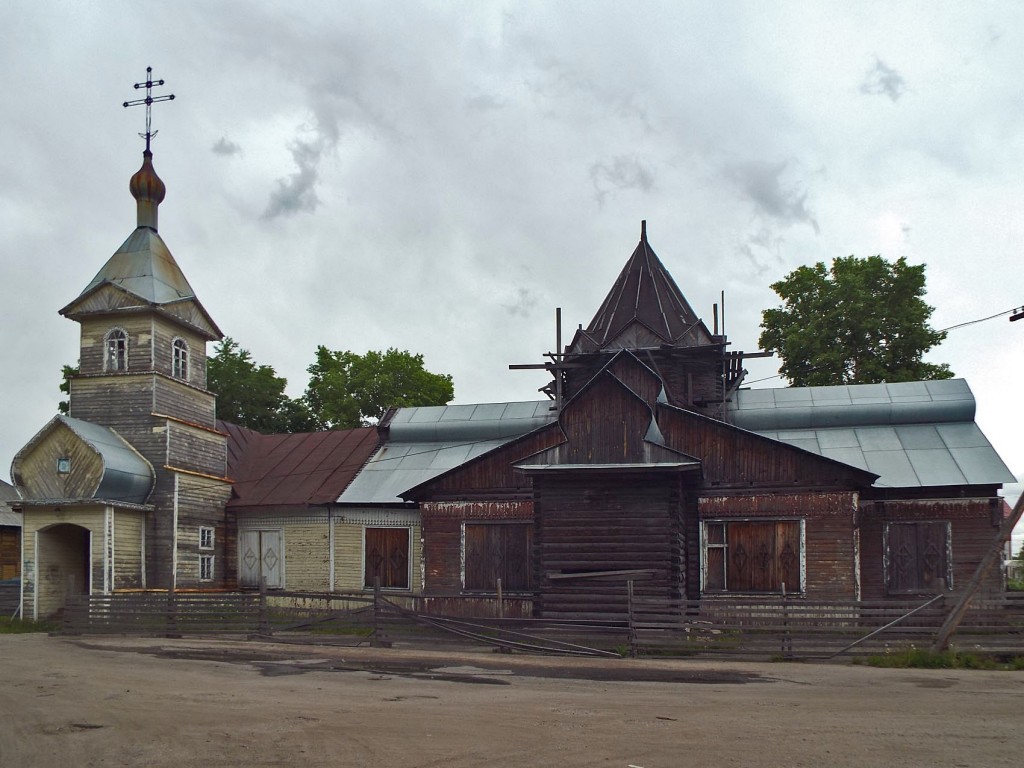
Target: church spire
[148, 190]
[146, 187]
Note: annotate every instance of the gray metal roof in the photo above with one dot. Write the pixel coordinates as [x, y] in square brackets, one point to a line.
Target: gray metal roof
[143, 265]
[425, 442]
[127, 476]
[911, 434]
[912, 402]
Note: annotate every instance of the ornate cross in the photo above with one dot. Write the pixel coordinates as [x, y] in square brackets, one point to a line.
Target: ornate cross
[148, 101]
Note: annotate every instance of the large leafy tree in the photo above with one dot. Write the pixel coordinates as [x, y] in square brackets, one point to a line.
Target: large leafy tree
[348, 390]
[252, 395]
[862, 321]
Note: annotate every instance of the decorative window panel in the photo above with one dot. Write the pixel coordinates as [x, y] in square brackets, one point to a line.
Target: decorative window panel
[753, 556]
[495, 551]
[386, 557]
[918, 557]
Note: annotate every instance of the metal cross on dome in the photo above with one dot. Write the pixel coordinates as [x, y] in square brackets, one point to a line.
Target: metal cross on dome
[148, 101]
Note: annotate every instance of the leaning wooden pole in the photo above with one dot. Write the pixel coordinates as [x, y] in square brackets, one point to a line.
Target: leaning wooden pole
[956, 615]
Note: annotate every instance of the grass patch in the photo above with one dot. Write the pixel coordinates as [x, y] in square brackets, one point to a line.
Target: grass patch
[1015, 585]
[18, 627]
[921, 658]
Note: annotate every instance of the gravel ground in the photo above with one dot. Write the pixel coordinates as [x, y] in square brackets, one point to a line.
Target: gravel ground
[184, 702]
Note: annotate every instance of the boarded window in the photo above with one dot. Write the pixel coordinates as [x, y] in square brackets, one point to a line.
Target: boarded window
[917, 557]
[748, 556]
[387, 558]
[499, 551]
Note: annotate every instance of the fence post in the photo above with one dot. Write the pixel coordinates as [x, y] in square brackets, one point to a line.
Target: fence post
[264, 613]
[377, 640]
[787, 638]
[172, 613]
[629, 619]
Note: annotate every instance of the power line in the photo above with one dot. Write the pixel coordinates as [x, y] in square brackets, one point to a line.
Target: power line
[980, 320]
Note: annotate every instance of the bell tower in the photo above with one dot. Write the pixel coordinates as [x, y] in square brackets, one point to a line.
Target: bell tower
[142, 373]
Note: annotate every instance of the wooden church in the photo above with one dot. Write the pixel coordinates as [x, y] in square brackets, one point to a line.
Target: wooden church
[649, 464]
[128, 490]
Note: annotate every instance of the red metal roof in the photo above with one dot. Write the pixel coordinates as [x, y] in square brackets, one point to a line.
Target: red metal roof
[294, 469]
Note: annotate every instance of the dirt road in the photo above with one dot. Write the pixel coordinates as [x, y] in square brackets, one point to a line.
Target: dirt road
[148, 702]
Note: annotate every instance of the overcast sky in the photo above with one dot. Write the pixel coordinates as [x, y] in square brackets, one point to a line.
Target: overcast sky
[440, 177]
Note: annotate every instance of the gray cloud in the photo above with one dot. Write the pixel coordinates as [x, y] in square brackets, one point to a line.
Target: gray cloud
[762, 182]
[883, 80]
[297, 192]
[224, 146]
[522, 303]
[621, 173]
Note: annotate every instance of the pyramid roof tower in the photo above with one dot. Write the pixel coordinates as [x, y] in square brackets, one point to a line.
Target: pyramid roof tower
[644, 309]
[142, 274]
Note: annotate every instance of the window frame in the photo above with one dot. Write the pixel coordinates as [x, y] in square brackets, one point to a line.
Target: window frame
[724, 547]
[180, 362]
[408, 557]
[116, 362]
[207, 532]
[207, 567]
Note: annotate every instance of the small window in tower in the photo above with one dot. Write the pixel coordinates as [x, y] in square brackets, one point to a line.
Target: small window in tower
[116, 358]
[180, 359]
[206, 567]
[205, 538]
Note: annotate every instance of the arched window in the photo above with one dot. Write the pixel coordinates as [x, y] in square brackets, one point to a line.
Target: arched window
[116, 351]
[179, 365]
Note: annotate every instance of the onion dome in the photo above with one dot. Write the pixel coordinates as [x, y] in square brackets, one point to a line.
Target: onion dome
[148, 191]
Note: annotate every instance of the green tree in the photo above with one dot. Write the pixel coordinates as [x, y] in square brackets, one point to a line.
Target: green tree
[347, 390]
[252, 395]
[66, 372]
[861, 322]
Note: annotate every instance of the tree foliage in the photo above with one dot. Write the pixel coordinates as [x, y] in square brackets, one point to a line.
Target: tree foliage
[252, 395]
[66, 372]
[348, 390]
[862, 321]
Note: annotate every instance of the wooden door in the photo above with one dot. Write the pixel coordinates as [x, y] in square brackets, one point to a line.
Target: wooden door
[259, 556]
[386, 557]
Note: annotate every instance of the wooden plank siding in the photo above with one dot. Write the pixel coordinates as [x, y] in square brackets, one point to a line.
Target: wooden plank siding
[200, 503]
[734, 458]
[973, 524]
[10, 552]
[35, 470]
[831, 539]
[443, 522]
[595, 524]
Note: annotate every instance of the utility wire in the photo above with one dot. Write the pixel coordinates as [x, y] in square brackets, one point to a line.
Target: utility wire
[944, 330]
[980, 320]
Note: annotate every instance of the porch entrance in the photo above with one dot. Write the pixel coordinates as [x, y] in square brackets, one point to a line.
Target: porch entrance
[260, 556]
[63, 563]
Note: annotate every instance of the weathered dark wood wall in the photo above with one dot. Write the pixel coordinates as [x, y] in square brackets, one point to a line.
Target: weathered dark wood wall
[592, 523]
[442, 537]
[973, 527]
[830, 543]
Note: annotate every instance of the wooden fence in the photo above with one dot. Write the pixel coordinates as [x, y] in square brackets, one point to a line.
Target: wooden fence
[761, 628]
